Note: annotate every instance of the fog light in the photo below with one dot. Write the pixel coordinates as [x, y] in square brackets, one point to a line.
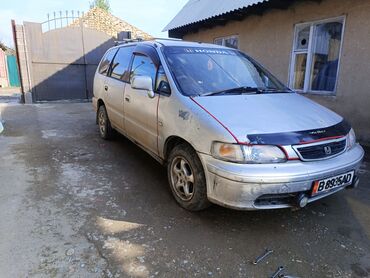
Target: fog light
[302, 200]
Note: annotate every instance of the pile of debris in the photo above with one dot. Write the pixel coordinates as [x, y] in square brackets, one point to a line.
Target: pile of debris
[101, 20]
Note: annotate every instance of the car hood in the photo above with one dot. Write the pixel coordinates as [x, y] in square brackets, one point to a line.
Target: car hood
[276, 113]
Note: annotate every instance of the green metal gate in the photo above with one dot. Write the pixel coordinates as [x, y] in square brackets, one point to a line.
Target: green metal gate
[13, 71]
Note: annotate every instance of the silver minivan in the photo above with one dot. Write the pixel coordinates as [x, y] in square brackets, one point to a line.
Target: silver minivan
[226, 129]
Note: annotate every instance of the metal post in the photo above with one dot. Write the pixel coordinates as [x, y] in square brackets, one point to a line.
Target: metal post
[84, 55]
[55, 22]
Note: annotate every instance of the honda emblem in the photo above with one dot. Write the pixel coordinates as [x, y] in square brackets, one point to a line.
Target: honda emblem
[327, 150]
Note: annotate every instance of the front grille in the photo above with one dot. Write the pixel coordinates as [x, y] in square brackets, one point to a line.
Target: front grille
[322, 151]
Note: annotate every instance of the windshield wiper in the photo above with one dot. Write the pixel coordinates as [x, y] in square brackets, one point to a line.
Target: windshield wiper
[246, 90]
[275, 90]
[240, 90]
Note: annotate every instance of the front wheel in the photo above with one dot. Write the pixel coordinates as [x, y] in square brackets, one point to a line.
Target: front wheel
[186, 178]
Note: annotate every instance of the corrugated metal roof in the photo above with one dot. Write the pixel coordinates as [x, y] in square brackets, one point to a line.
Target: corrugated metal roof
[199, 10]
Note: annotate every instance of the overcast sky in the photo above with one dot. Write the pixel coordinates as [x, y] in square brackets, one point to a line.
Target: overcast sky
[148, 15]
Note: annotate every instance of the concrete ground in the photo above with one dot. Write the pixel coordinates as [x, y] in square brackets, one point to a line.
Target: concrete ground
[73, 205]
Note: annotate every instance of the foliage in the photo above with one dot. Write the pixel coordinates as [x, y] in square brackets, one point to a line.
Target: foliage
[2, 46]
[102, 4]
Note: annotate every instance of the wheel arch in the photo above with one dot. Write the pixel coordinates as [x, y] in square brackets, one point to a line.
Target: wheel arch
[200, 200]
[99, 103]
[171, 142]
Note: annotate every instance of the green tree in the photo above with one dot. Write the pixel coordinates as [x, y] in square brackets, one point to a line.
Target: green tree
[102, 4]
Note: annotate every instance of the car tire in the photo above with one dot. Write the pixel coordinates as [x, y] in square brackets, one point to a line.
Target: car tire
[186, 178]
[105, 129]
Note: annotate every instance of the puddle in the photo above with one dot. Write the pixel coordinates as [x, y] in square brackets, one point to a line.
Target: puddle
[11, 99]
[49, 133]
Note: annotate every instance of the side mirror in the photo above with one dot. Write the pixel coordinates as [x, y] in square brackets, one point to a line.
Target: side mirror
[143, 83]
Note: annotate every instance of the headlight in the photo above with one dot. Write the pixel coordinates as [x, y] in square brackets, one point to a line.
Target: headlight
[351, 139]
[228, 152]
[264, 154]
[248, 154]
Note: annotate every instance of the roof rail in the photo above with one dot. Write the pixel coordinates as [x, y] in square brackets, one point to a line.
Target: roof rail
[124, 41]
[128, 41]
[167, 39]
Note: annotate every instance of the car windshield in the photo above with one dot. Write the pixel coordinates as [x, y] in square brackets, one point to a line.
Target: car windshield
[210, 71]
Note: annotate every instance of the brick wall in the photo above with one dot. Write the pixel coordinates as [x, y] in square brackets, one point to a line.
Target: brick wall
[104, 21]
[22, 51]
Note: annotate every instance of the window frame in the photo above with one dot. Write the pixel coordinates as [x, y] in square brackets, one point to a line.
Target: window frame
[134, 55]
[109, 73]
[155, 90]
[225, 38]
[310, 50]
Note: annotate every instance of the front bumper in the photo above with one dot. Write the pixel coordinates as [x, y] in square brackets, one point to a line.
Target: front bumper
[271, 186]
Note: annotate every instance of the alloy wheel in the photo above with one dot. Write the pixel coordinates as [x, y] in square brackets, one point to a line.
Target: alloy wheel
[102, 120]
[182, 178]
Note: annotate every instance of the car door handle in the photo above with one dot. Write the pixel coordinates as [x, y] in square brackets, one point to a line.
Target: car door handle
[127, 98]
[106, 88]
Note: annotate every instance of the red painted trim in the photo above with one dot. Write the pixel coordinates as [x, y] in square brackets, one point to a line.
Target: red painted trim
[322, 139]
[247, 144]
[214, 117]
[287, 155]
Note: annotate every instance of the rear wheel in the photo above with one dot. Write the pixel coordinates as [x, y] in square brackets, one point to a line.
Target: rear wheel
[105, 129]
[186, 178]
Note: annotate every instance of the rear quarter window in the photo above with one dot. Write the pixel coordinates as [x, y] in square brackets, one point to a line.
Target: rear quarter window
[105, 63]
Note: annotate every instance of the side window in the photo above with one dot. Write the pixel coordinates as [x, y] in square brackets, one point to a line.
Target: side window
[231, 41]
[121, 63]
[143, 65]
[107, 59]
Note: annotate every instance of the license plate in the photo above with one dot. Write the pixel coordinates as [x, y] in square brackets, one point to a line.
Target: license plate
[322, 186]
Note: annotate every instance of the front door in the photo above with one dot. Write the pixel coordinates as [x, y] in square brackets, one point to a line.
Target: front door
[140, 111]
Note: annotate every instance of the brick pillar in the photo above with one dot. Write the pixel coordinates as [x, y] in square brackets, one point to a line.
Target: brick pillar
[23, 61]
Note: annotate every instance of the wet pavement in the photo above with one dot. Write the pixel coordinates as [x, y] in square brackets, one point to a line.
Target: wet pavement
[74, 205]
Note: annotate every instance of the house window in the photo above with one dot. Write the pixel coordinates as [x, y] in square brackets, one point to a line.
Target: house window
[316, 56]
[231, 41]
